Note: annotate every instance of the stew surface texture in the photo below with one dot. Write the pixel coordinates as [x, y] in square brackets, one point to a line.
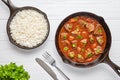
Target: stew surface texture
[82, 39]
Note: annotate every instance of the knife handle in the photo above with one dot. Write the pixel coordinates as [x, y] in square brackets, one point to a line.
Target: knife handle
[66, 78]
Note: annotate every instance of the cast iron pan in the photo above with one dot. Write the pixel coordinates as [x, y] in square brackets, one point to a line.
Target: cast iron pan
[13, 11]
[104, 58]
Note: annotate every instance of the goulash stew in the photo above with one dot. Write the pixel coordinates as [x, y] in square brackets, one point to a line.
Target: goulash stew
[82, 39]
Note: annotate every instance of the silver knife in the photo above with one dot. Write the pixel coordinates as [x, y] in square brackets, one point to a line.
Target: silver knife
[46, 68]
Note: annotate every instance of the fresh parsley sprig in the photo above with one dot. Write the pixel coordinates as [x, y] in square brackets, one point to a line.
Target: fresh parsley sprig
[13, 72]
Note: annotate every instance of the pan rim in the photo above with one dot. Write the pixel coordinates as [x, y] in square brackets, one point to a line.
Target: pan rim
[107, 47]
[12, 16]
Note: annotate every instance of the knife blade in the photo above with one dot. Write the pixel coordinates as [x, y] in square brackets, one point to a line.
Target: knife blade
[46, 68]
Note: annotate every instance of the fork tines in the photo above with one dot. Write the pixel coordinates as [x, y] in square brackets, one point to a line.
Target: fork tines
[48, 57]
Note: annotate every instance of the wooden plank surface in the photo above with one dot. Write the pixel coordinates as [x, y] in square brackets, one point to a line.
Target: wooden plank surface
[56, 11]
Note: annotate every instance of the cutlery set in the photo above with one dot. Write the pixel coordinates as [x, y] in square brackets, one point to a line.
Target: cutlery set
[49, 59]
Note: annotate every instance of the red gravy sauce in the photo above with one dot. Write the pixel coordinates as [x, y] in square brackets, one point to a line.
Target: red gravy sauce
[82, 39]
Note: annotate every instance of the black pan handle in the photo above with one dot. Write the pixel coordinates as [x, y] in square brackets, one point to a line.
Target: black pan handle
[10, 5]
[115, 67]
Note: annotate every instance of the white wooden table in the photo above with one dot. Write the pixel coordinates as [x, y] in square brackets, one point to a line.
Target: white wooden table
[56, 11]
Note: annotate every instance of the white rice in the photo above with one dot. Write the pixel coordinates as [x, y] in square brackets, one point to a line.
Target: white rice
[28, 28]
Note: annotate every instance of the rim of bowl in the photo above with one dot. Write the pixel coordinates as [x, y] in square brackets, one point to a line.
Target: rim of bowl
[108, 43]
[12, 16]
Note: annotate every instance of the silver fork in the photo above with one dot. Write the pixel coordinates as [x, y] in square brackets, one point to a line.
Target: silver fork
[52, 62]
